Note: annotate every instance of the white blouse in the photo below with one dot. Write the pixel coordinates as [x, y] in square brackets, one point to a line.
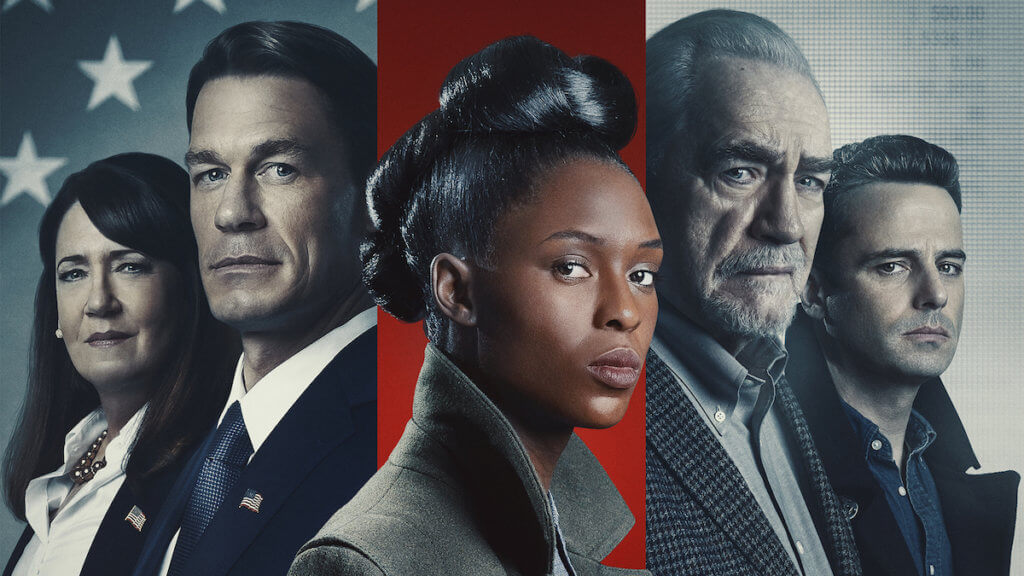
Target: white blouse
[60, 545]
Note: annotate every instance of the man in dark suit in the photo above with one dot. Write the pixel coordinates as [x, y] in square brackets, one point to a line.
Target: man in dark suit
[738, 156]
[282, 137]
[884, 307]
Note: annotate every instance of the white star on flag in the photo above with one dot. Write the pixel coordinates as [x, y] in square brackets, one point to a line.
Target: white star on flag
[113, 76]
[364, 4]
[44, 4]
[217, 5]
[27, 173]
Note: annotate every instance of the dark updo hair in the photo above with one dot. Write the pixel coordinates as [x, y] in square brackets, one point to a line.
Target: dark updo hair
[140, 201]
[508, 113]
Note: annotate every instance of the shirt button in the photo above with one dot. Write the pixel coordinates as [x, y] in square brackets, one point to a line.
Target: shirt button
[876, 444]
[719, 416]
[902, 491]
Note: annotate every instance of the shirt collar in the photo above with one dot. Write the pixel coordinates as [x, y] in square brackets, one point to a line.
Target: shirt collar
[48, 491]
[919, 436]
[89, 429]
[267, 403]
[713, 376]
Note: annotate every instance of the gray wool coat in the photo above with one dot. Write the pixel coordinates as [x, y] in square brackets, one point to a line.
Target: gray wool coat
[458, 495]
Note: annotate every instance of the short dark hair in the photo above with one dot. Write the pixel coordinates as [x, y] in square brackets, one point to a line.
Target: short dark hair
[887, 158]
[507, 114]
[140, 201]
[343, 74]
[679, 53]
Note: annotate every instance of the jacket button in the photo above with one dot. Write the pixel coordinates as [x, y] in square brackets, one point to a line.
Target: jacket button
[851, 510]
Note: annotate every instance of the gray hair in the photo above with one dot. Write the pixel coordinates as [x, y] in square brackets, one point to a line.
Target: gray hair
[678, 54]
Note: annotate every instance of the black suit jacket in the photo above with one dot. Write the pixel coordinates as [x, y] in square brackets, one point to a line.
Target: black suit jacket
[979, 510]
[318, 456]
[117, 544]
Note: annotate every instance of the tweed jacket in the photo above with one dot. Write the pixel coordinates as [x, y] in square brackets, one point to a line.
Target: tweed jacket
[458, 495]
[979, 510]
[702, 518]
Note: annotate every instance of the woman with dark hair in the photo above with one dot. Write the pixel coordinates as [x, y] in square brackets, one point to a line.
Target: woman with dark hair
[507, 221]
[129, 369]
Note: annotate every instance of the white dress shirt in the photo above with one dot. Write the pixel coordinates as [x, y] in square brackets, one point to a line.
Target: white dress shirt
[265, 405]
[61, 543]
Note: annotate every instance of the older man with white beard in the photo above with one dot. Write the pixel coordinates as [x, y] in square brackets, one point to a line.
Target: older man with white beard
[739, 155]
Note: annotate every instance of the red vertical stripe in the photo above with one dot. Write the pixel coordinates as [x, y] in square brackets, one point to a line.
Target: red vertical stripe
[418, 43]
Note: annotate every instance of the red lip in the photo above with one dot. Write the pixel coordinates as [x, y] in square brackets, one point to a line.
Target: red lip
[242, 261]
[618, 368]
[108, 338]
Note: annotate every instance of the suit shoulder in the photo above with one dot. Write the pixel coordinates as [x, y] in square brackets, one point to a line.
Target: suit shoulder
[333, 559]
[407, 521]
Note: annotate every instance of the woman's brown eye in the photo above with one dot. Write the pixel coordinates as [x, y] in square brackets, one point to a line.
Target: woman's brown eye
[642, 277]
[572, 270]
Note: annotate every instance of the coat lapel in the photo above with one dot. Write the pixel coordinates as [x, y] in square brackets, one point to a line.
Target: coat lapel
[118, 543]
[833, 523]
[842, 456]
[165, 525]
[318, 422]
[701, 465]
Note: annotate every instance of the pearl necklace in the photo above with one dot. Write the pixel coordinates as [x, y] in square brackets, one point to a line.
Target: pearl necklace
[86, 468]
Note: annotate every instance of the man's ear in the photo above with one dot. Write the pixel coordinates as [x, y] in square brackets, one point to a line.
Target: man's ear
[813, 297]
[451, 280]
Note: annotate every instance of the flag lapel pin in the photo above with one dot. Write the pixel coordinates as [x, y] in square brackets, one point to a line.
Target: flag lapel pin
[251, 501]
[136, 518]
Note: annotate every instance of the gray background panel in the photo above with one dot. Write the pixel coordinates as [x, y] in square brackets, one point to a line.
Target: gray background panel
[948, 72]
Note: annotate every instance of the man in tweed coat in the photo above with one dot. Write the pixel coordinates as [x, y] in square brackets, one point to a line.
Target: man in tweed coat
[738, 156]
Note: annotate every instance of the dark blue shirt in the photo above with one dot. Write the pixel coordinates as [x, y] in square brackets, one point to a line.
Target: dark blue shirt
[914, 503]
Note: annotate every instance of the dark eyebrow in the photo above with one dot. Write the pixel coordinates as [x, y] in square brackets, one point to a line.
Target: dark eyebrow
[911, 254]
[816, 164]
[281, 146]
[890, 253]
[749, 151]
[114, 255]
[193, 157]
[575, 235]
[74, 259]
[956, 254]
[591, 239]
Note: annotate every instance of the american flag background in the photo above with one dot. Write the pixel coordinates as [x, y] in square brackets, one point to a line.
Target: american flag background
[81, 80]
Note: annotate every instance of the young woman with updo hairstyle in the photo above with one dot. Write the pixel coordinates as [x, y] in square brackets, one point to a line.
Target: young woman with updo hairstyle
[128, 369]
[507, 221]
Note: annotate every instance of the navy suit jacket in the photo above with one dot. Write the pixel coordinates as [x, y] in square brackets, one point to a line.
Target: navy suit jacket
[979, 509]
[117, 544]
[314, 461]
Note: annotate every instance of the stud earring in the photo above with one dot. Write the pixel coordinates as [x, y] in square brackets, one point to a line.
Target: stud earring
[58, 333]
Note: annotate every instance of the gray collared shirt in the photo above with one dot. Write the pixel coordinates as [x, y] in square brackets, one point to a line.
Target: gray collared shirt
[736, 397]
